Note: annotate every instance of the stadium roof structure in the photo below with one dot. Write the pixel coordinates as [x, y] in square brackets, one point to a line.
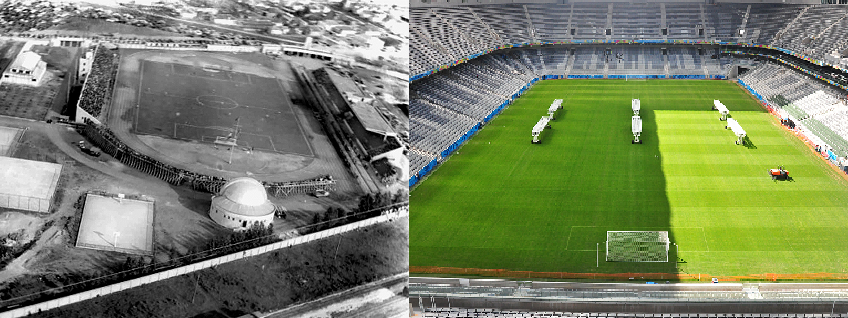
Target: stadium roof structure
[362, 106]
[342, 83]
[369, 116]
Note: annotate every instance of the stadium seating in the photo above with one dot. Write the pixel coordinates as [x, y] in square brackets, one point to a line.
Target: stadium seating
[445, 107]
[803, 35]
[99, 82]
[819, 110]
[443, 35]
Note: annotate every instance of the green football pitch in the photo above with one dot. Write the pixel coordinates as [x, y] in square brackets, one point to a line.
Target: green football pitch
[501, 202]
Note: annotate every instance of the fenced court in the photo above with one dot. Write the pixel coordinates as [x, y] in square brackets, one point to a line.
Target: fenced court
[204, 101]
[116, 224]
[27, 184]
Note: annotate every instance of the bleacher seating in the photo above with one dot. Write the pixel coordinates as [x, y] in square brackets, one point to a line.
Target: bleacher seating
[442, 35]
[818, 109]
[98, 84]
[445, 107]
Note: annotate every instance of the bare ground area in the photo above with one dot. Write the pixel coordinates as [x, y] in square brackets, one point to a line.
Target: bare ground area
[270, 281]
[181, 221]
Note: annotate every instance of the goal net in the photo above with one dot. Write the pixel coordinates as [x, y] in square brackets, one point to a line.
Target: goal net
[637, 246]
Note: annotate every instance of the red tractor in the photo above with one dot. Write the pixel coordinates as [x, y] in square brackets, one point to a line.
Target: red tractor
[779, 173]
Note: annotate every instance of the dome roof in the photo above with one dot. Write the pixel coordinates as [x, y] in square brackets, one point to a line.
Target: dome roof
[245, 191]
[244, 196]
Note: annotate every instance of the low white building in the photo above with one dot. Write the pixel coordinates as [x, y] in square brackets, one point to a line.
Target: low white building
[85, 66]
[26, 69]
[241, 203]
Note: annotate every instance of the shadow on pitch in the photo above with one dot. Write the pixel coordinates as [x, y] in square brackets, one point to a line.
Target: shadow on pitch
[748, 143]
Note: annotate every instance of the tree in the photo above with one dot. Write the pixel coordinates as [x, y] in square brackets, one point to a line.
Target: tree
[327, 218]
[316, 218]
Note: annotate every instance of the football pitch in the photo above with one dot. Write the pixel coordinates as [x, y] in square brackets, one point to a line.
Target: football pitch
[501, 202]
[192, 103]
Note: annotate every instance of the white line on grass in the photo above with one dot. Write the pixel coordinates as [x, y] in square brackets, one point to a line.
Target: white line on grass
[571, 229]
[517, 162]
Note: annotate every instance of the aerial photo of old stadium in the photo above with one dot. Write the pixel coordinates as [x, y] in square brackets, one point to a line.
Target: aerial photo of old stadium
[204, 158]
[634, 158]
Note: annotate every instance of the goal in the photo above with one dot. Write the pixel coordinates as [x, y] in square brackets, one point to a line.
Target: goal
[637, 246]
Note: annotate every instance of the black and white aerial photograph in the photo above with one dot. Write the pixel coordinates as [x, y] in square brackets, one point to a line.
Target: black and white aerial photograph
[204, 158]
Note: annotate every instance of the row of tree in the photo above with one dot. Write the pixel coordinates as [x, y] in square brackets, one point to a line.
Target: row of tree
[370, 205]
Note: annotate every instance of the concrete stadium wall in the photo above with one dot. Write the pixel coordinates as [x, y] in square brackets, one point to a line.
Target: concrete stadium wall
[152, 278]
[82, 115]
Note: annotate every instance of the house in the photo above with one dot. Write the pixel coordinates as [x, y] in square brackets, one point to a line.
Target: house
[26, 69]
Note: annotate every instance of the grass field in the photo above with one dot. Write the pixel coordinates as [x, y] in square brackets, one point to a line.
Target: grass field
[503, 203]
[189, 102]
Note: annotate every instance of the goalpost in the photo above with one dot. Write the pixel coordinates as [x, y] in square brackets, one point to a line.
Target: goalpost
[637, 246]
[634, 78]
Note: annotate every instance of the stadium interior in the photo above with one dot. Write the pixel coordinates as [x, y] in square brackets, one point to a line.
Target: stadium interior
[484, 54]
[471, 59]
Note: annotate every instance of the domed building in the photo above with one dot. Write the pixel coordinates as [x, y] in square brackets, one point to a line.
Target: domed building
[240, 203]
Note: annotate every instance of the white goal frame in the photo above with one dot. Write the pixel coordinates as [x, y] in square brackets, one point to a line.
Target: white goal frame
[654, 246]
